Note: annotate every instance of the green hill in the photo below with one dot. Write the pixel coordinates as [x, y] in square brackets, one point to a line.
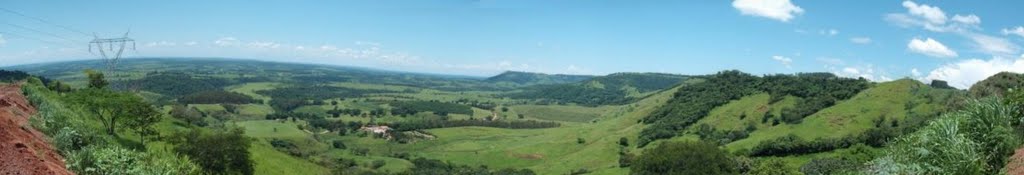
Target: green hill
[530, 78]
[613, 89]
[996, 85]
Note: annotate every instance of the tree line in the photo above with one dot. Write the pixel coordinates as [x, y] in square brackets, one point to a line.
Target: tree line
[434, 123]
[693, 102]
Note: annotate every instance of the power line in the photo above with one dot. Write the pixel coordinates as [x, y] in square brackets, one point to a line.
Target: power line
[45, 33]
[44, 21]
[34, 39]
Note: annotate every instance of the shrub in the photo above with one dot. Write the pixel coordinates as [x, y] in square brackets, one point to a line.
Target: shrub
[687, 157]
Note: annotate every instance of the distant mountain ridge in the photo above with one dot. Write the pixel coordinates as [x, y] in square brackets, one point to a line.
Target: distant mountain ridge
[531, 78]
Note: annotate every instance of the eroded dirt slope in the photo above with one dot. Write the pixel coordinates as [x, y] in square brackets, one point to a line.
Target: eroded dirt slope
[23, 150]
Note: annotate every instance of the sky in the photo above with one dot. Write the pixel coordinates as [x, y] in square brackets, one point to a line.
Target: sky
[958, 41]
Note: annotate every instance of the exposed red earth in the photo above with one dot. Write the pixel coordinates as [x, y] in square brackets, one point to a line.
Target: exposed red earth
[23, 149]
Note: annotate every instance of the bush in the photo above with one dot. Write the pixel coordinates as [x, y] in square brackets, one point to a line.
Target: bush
[338, 144]
[975, 140]
[219, 152]
[687, 157]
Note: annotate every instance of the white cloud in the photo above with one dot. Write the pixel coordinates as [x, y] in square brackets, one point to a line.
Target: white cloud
[831, 61]
[965, 73]
[191, 43]
[851, 71]
[829, 32]
[1019, 31]
[932, 18]
[992, 45]
[915, 72]
[782, 10]
[784, 60]
[226, 41]
[867, 72]
[861, 40]
[2, 40]
[930, 47]
[933, 14]
[263, 45]
[161, 43]
[969, 19]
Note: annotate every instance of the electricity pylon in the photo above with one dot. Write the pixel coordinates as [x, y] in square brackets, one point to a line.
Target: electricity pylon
[114, 45]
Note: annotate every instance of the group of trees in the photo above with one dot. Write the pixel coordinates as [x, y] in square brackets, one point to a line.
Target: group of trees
[217, 97]
[317, 92]
[604, 90]
[179, 84]
[431, 166]
[815, 91]
[403, 108]
[511, 124]
[218, 152]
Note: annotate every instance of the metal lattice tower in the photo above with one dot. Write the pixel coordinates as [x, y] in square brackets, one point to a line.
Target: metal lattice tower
[115, 46]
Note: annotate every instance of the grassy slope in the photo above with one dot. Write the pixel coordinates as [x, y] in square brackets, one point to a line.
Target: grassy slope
[547, 151]
[270, 161]
[851, 116]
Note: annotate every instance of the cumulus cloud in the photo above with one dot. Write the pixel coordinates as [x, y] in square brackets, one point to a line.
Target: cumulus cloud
[968, 19]
[965, 73]
[782, 10]
[930, 47]
[861, 40]
[191, 43]
[932, 18]
[784, 60]
[930, 13]
[1019, 31]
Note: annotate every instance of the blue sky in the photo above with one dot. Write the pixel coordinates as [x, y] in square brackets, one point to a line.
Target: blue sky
[958, 41]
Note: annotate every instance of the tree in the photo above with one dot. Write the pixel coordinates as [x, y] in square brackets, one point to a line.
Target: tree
[624, 142]
[772, 166]
[190, 115]
[141, 120]
[108, 106]
[688, 157]
[96, 79]
[219, 152]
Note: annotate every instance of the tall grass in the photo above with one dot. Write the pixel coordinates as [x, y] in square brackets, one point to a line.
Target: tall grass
[974, 140]
[87, 150]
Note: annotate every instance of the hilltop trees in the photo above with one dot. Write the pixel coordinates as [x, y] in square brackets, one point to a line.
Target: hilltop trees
[96, 79]
[689, 157]
[814, 91]
[111, 108]
[218, 152]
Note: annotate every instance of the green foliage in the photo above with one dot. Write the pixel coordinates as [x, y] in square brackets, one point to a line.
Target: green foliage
[111, 108]
[773, 166]
[687, 157]
[525, 78]
[693, 102]
[217, 97]
[318, 92]
[86, 150]
[997, 85]
[96, 79]
[219, 152]
[826, 166]
[178, 84]
[603, 90]
[430, 166]
[510, 124]
[413, 107]
[975, 140]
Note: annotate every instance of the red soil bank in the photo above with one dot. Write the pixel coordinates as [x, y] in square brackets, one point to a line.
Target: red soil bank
[23, 149]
